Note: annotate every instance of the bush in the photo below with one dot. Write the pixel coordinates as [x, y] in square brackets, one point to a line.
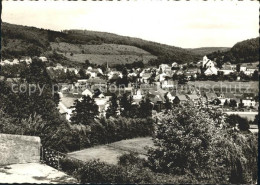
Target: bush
[109, 130]
[189, 141]
[99, 172]
[130, 159]
[233, 120]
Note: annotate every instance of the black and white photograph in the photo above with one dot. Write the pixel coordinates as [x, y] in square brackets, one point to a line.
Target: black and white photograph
[129, 92]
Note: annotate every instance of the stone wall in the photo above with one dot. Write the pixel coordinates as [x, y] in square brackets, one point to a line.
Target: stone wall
[16, 149]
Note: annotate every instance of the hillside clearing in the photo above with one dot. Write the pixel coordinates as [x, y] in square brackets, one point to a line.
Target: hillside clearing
[109, 153]
[110, 59]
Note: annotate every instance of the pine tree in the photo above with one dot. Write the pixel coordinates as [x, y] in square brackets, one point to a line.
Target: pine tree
[85, 111]
[112, 109]
[146, 108]
[125, 105]
[168, 104]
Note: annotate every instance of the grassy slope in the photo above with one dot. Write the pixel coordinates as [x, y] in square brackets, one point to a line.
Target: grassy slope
[102, 53]
[35, 41]
[110, 153]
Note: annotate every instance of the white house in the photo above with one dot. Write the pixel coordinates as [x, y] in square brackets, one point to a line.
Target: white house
[15, 61]
[87, 92]
[44, 59]
[164, 66]
[174, 64]
[243, 67]
[250, 70]
[248, 102]
[167, 84]
[227, 69]
[206, 63]
[211, 71]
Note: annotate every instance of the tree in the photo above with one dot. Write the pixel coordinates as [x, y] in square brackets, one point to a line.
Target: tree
[168, 104]
[124, 80]
[85, 111]
[255, 76]
[255, 122]
[238, 68]
[83, 74]
[226, 103]
[232, 103]
[217, 101]
[234, 119]
[241, 104]
[189, 142]
[182, 79]
[146, 107]
[113, 107]
[125, 105]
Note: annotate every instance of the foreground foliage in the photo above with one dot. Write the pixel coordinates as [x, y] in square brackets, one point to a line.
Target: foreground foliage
[194, 141]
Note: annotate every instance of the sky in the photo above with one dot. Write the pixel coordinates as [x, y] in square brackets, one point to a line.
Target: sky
[186, 24]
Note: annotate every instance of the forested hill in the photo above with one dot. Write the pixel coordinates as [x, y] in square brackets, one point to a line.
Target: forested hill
[207, 50]
[242, 52]
[20, 40]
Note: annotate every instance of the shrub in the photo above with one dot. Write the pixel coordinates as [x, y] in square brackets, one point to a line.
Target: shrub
[189, 141]
[233, 120]
[130, 159]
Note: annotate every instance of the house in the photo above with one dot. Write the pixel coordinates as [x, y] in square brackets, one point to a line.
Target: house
[163, 67]
[174, 64]
[102, 105]
[65, 106]
[137, 97]
[6, 62]
[210, 96]
[76, 71]
[168, 84]
[156, 100]
[146, 77]
[28, 60]
[82, 81]
[243, 67]
[206, 63]
[211, 71]
[15, 61]
[170, 96]
[87, 92]
[43, 59]
[250, 70]
[227, 69]
[94, 81]
[179, 99]
[162, 77]
[13, 80]
[59, 67]
[248, 99]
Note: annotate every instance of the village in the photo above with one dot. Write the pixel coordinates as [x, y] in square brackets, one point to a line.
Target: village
[174, 84]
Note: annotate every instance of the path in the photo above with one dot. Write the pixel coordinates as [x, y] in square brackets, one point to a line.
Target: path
[33, 173]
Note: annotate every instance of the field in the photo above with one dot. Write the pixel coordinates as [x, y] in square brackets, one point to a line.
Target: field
[103, 53]
[226, 86]
[109, 153]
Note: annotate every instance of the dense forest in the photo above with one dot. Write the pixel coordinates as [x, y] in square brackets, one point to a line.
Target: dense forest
[246, 51]
[207, 50]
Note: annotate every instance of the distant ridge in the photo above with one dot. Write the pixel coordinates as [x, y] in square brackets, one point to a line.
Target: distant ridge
[207, 50]
[20, 40]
